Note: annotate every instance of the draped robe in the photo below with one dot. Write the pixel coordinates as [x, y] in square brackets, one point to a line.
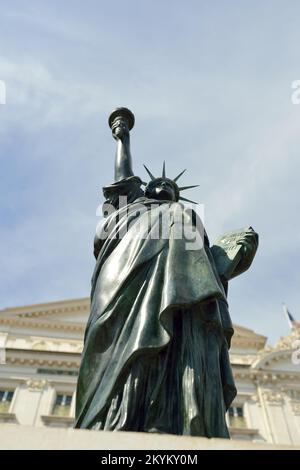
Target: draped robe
[155, 355]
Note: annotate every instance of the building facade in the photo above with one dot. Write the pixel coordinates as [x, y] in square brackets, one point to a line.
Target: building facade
[40, 349]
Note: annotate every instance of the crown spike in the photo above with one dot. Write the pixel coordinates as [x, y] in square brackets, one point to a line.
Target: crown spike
[178, 176]
[183, 188]
[163, 175]
[149, 173]
[187, 200]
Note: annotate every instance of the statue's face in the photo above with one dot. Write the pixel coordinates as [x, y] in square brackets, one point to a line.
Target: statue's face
[163, 190]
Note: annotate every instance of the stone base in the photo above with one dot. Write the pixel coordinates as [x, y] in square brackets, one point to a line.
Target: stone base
[45, 438]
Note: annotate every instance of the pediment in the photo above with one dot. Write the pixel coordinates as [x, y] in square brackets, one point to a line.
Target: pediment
[287, 360]
[245, 338]
[68, 311]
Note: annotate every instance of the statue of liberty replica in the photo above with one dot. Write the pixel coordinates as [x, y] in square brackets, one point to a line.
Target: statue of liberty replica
[155, 355]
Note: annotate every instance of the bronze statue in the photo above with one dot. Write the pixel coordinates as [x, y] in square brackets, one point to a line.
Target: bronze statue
[155, 355]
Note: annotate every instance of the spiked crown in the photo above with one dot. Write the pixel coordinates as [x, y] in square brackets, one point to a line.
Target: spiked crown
[154, 181]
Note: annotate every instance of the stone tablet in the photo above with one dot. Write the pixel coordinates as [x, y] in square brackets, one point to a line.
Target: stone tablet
[227, 251]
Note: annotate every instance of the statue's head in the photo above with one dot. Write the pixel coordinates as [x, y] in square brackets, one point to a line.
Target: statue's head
[163, 188]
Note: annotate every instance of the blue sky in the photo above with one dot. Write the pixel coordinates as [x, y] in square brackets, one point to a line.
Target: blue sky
[210, 85]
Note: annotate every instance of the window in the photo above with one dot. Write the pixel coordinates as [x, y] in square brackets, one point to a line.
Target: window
[57, 372]
[62, 405]
[5, 400]
[236, 417]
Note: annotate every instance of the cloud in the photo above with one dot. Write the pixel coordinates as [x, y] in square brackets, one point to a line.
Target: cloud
[37, 99]
[208, 94]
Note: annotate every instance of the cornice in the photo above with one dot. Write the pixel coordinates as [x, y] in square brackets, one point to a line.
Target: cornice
[54, 311]
[44, 344]
[38, 382]
[50, 308]
[265, 376]
[64, 360]
[22, 361]
[242, 360]
[248, 342]
[32, 323]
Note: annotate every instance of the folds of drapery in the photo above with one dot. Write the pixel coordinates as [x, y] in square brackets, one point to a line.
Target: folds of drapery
[138, 283]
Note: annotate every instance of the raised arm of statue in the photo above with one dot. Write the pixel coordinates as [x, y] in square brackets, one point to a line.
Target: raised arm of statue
[121, 121]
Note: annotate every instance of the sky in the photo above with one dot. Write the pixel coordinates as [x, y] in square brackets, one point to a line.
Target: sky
[209, 83]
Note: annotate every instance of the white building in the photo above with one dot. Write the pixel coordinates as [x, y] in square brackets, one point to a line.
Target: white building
[40, 347]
